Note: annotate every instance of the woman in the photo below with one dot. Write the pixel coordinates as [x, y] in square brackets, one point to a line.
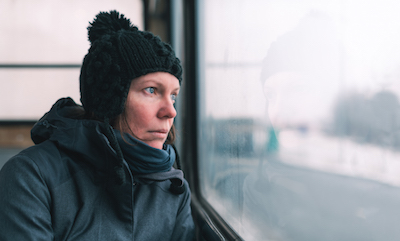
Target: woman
[103, 171]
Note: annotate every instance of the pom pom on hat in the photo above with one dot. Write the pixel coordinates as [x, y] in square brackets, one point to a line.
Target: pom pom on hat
[109, 23]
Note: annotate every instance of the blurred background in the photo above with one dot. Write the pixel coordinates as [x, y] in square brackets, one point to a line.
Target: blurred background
[288, 119]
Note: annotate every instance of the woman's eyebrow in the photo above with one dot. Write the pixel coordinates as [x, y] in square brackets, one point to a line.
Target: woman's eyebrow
[158, 83]
[153, 81]
[147, 82]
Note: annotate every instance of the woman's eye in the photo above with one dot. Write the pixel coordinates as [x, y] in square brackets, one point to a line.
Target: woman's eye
[173, 97]
[150, 90]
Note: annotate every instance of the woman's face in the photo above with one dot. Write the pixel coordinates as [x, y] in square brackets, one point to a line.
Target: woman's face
[149, 109]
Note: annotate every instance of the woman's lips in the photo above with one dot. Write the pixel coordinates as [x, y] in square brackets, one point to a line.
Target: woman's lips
[160, 133]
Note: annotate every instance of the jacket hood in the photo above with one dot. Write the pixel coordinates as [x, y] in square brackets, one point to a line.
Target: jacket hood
[65, 125]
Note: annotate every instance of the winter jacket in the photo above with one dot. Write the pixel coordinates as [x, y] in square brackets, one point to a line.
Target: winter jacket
[63, 189]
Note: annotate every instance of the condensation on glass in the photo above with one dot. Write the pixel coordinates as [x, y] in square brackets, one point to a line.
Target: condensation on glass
[300, 119]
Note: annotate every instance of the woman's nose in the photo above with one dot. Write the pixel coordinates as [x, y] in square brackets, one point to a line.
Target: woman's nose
[167, 109]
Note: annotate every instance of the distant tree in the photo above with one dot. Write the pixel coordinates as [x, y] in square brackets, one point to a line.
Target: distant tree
[372, 120]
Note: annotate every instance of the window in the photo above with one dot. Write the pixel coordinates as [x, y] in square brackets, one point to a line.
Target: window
[299, 118]
[42, 45]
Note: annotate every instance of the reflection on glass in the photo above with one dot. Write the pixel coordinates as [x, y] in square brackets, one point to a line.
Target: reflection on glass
[300, 118]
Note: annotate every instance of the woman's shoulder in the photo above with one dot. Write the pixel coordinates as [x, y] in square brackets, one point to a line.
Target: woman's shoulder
[23, 173]
[43, 161]
[32, 156]
[38, 155]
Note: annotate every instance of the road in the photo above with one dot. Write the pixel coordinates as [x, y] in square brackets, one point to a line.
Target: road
[291, 203]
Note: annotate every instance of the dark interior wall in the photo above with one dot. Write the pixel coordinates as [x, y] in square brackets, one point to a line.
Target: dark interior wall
[157, 18]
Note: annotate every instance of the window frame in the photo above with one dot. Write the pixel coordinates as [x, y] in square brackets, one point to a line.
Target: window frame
[211, 226]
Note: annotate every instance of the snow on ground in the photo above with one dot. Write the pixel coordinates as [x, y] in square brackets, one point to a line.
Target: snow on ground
[339, 155]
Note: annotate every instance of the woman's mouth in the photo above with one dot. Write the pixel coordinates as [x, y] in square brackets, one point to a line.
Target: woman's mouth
[162, 133]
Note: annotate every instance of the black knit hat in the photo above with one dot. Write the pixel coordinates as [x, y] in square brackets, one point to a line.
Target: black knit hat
[119, 53]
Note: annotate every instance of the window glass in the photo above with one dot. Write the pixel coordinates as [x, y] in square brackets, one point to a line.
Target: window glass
[31, 92]
[46, 32]
[299, 117]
